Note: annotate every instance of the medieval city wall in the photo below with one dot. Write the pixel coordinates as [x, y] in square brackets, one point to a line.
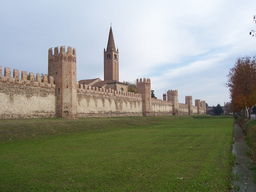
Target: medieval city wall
[26, 97]
[194, 110]
[201, 110]
[100, 102]
[159, 107]
[183, 109]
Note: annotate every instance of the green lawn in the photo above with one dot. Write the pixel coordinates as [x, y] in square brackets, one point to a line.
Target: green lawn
[116, 154]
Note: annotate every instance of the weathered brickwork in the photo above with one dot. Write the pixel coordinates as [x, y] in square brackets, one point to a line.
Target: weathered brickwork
[107, 103]
[201, 106]
[194, 110]
[26, 98]
[159, 107]
[144, 88]
[183, 109]
[62, 66]
[172, 95]
[40, 97]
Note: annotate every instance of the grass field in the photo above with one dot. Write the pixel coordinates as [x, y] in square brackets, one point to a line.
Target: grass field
[116, 154]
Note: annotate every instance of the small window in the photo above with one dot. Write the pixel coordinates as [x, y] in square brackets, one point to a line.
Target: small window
[58, 91]
[108, 56]
[122, 89]
[115, 56]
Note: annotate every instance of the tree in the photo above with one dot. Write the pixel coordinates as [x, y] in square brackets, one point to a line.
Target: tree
[217, 110]
[131, 87]
[242, 84]
[153, 94]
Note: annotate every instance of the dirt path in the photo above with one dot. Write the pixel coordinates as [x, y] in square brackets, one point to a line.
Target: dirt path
[243, 163]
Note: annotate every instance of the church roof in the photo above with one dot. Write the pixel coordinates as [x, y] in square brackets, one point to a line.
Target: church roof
[102, 83]
[111, 42]
[89, 81]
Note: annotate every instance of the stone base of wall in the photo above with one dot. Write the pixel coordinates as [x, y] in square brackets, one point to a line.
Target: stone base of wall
[27, 116]
[159, 114]
[108, 114]
[183, 113]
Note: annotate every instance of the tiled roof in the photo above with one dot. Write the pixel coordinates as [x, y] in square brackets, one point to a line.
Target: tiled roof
[89, 81]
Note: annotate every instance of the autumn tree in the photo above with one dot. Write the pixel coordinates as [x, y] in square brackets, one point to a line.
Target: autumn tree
[131, 87]
[242, 84]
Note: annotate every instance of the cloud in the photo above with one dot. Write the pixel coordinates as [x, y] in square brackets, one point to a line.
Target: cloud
[185, 45]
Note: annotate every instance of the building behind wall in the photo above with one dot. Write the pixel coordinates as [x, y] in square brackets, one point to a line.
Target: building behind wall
[111, 69]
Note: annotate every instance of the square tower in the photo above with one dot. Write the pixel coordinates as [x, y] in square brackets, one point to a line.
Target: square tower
[62, 66]
[189, 101]
[144, 88]
[172, 95]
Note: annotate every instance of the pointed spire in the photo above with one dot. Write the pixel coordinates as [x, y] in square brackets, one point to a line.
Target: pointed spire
[111, 43]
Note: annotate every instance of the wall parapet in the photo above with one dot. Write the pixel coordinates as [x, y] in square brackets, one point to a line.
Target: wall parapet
[154, 100]
[61, 50]
[26, 79]
[108, 92]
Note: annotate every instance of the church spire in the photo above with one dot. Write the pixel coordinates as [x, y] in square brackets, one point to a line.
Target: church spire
[111, 43]
[111, 60]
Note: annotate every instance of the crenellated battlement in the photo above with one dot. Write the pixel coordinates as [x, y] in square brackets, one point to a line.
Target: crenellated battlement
[188, 100]
[144, 80]
[26, 80]
[108, 92]
[203, 104]
[172, 92]
[29, 95]
[62, 51]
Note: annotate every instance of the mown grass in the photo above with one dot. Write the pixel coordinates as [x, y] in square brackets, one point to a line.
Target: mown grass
[116, 154]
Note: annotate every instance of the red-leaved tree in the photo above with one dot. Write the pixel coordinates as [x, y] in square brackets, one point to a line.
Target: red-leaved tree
[242, 84]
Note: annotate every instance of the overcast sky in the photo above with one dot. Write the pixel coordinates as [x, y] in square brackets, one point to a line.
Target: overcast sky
[185, 45]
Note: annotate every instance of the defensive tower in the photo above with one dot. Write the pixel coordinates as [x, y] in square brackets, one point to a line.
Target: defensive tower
[172, 95]
[188, 100]
[203, 105]
[144, 88]
[62, 66]
[111, 60]
[198, 105]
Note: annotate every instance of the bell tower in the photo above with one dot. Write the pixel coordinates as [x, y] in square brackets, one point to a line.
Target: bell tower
[111, 60]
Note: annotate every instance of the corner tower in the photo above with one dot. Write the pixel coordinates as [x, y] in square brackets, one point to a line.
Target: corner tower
[111, 60]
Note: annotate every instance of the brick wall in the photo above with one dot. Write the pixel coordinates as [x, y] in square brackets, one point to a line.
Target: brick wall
[159, 107]
[102, 102]
[22, 98]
